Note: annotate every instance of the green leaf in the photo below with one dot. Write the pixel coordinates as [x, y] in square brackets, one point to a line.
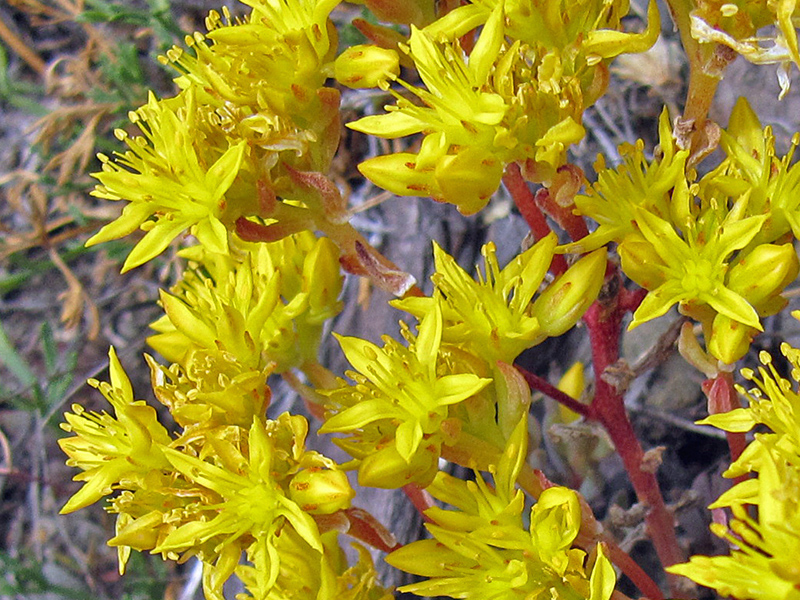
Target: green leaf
[49, 348]
[14, 362]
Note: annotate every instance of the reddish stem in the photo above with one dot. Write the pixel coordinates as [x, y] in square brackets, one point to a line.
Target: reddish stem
[604, 322]
[634, 572]
[573, 224]
[542, 385]
[722, 398]
[534, 217]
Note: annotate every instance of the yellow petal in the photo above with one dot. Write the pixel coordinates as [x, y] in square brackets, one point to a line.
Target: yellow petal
[608, 43]
[397, 173]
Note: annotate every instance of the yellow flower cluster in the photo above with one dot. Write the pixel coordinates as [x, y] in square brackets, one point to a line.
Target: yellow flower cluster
[263, 305]
[214, 493]
[239, 159]
[518, 95]
[481, 549]
[763, 562]
[718, 247]
[253, 111]
[411, 405]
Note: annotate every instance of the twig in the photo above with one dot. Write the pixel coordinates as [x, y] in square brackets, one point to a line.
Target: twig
[678, 422]
[376, 200]
[22, 49]
[606, 143]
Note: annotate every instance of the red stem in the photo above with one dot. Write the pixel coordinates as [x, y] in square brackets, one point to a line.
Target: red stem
[534, 217]
[573, 224]
[722, 398]
[634, 572]
[604, 323]
[542, 385]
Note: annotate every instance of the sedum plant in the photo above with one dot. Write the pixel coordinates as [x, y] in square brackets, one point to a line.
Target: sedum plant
[235, 168]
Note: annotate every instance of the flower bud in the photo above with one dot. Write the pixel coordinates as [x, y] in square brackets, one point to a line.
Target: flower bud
[744, 138]
[573, 384]
[397, 173]
[322, 280]
[468, 179]
[387, 469]
[560, 306]
[555, 521]
[366, 66]
[729, 339]
[321, 491]
[764, 272]
[513, 397]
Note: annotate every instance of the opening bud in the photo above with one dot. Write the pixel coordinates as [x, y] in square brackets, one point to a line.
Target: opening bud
[560, 306]
[366, 66]
[321, 491]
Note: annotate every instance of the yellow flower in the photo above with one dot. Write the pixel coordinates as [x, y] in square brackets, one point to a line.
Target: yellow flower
[247, 502]
[328, 579]
[496, 317]
[272, 61]
[210, 390]
[477, 111]
[397, 406]
[590, 26]
[710, 274]
[763, 562]
[264, 76]
[637, 182]
[688, 271]
[774, 403]
[481, 549]
[170, 173]
[266, 304]
[707, 245]
[752, 166]
[461, 113]
[109, 449]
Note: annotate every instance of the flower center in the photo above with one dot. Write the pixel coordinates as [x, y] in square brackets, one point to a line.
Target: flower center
[257, 504]
[698, 277]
